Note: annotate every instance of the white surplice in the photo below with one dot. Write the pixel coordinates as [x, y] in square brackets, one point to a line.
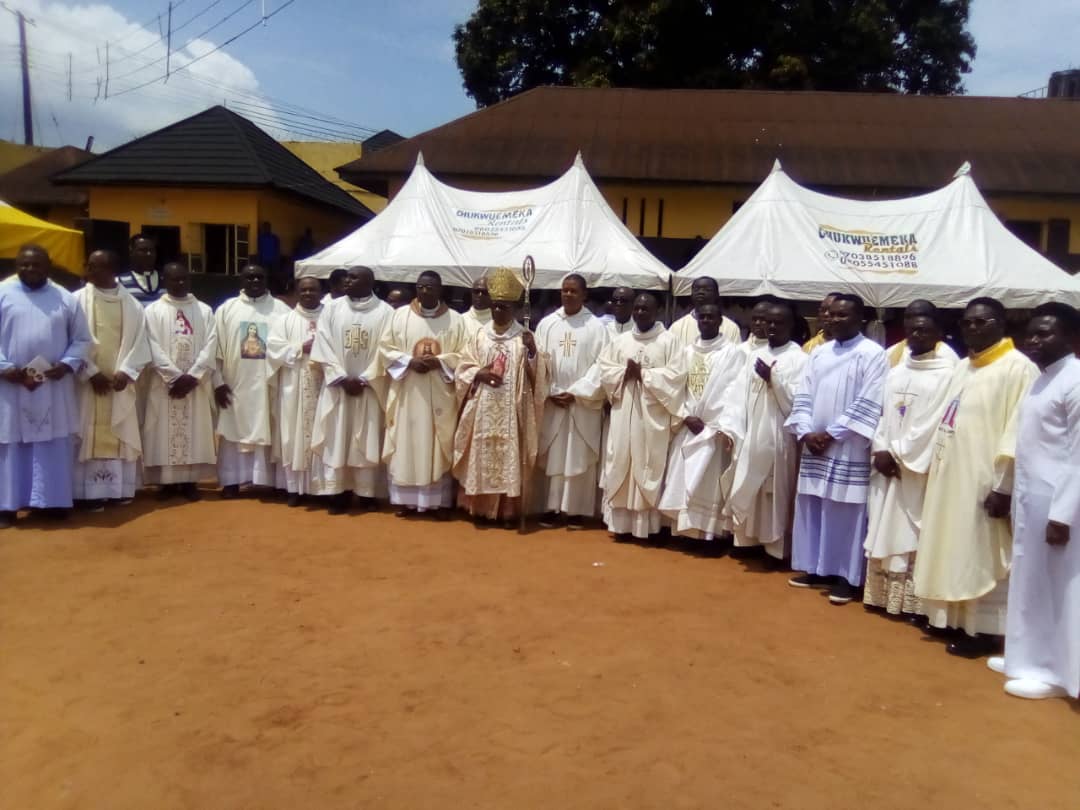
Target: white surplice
[298, 388]
[421, 409]
[1042, 636]
[570, 438]
[178, 434]
[686, 330]
[109, 444]
[962, 568]
[248, 450]
[348, 438]
[643, 417]
[763, 492]
[697, 479]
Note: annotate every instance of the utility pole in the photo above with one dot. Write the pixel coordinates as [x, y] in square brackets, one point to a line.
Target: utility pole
[168, 44]
[28, 116]
[106, 69]
[69, 75]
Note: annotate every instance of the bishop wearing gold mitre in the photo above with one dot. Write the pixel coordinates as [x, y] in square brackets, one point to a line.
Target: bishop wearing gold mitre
[503, 381]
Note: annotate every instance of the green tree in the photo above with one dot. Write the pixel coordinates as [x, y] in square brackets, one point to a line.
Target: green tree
[905, 46]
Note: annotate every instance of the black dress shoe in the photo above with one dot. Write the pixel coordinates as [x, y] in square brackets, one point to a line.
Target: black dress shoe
[294, 499]
[975, 646]
[7, 520]
[339, 504]
[231, 492]
[624, 537]
[191, 491]
[167, 491]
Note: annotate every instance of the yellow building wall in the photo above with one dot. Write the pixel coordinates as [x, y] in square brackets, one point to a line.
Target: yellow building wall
[189, 209]
[325, 157]
[1041, 210]
[289, 216]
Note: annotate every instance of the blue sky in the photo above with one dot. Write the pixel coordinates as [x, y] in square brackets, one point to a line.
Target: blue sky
[372, 64]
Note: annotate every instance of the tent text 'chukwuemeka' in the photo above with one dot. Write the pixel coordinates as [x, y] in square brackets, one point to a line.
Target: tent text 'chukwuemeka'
[946, 246]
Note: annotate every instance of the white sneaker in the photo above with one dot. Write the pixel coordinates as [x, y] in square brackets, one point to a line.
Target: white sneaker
[1033, 690]
[996, 663]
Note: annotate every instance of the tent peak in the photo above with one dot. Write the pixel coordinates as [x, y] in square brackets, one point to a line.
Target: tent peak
[776, 167]
[964, 170]
[578, 160]
[419, 158]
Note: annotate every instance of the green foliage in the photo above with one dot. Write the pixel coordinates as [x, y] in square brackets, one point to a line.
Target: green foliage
[906, 46]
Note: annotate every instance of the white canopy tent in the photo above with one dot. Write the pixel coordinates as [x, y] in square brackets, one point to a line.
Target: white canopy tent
[946, 246]
[566, 226]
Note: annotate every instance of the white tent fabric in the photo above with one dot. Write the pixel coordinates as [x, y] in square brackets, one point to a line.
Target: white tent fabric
[946, 246]
[566, 226]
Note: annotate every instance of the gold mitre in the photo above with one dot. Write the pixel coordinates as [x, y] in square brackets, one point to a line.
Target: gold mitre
[503, 285]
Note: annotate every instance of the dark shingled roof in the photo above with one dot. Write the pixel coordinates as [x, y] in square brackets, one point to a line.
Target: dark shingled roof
[380, 140]
[732, 137]
[215, 149]
[31, 185]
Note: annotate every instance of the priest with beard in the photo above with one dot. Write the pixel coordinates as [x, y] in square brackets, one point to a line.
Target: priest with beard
[178, 429]
[347, 438]
[644, 374]
[246, 387]
[503, 381]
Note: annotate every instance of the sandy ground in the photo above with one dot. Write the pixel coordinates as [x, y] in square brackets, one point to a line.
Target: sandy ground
[245, 655]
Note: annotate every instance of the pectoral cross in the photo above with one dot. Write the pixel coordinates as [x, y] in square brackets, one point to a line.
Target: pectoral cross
[567, 344]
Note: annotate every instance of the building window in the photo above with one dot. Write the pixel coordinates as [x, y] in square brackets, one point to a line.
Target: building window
[660, 219]
[1028, 231]
[625, 205]
[641, 219]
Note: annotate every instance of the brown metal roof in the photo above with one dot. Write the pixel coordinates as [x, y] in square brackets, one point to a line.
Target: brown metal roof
[733, 136]
[31, 183]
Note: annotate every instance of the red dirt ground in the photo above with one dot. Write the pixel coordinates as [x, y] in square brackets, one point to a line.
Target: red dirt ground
[246, 655]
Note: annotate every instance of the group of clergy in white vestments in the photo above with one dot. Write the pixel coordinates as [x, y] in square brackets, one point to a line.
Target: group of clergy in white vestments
[942, 488]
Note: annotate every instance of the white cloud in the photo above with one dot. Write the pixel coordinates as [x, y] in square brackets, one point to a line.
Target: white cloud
[1021, 44]
[136, 56]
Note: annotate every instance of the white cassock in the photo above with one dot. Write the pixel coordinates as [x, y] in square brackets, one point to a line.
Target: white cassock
[696, 483]
[178, 434]
[686, 330]
[108, 440]
[1042, 633]
[298, 386]
[421, 409]
[643, 416]
[570, 438]
[246, 428]
[475, 319]
[348, 438]
[763, 490]
[912, 405]
[962, 568]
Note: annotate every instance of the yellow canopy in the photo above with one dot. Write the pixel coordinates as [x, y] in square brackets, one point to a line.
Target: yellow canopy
[17, 228]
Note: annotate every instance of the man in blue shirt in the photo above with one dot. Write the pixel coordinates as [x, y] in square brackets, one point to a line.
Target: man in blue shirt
[142, 280]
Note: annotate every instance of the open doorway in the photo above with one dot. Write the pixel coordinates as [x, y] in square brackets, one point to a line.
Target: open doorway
[168, 242]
